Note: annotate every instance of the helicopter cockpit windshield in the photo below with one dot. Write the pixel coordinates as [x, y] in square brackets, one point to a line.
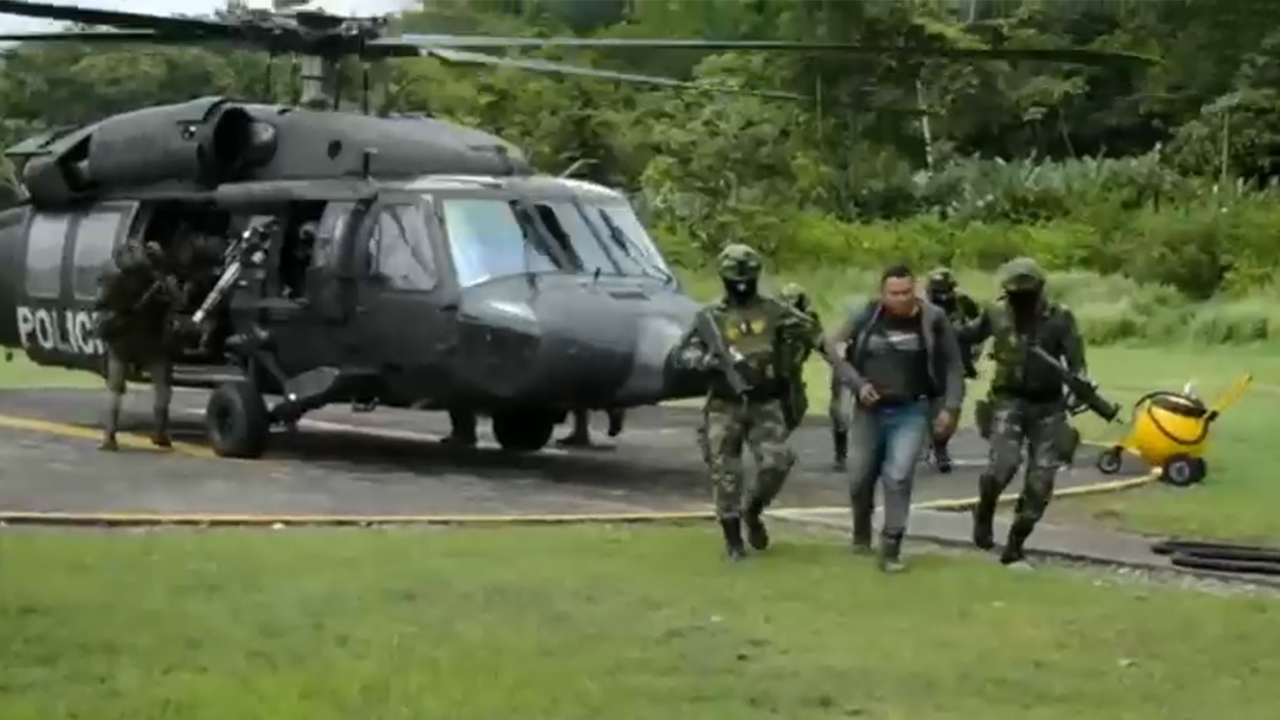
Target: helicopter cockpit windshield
[488, 240]
[636, 251]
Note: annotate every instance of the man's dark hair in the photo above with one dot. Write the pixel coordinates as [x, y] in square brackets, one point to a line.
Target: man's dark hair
[896, 271]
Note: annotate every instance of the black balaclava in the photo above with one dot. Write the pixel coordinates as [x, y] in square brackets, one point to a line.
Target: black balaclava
[1023, 303]
[740, 290]
[945, 299]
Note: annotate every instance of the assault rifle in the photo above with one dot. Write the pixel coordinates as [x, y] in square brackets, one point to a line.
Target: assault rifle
[248, 249]
[1084, 393]
[722, 359]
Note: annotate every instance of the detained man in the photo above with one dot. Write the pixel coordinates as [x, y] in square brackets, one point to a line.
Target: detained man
[905, 356]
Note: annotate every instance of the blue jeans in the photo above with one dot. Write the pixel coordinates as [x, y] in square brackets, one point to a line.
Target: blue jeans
[885, 443]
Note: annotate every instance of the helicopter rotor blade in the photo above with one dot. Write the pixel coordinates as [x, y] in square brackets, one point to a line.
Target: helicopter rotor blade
[96, 36]
[115, 18]
[1082, 56]
[463, 57]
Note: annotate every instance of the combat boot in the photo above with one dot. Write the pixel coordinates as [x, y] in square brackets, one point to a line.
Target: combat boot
[757, 535]
[1013, 555]
[862, 529]
[109, 443]
[942, 457]
[616, 419]
[841, 440]
[984, 515]
[891, 553]
[160, 437]
[732, 528]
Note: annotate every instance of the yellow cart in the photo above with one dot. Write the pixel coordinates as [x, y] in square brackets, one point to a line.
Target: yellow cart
[1170, 430]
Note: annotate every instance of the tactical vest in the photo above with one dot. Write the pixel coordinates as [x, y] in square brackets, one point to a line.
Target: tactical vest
[751, 332]
[1009, 349]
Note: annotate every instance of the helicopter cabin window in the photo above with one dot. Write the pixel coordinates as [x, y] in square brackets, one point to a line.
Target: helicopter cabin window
[488, 240]
[45, 239]
[95, 238]
[631, 243]
[571, 231]
[333, 223]
[400, 251]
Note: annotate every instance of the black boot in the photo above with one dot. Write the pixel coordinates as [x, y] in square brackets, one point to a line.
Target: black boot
[110, 425]
[891, 553]
[841, 441]
[160, 438]
[862, 528]
[732, 528]
[942, 457]
[984, 514]
[757, 535]
[616, 419]
[1013, 553]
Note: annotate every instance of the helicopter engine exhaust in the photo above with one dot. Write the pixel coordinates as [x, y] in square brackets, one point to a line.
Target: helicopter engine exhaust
[207, 141]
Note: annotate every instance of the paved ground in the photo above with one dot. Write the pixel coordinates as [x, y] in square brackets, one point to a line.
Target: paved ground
[1062, 542]
[387, 463]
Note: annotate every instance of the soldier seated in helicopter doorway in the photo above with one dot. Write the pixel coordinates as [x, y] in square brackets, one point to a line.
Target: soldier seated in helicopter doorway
[137, 304]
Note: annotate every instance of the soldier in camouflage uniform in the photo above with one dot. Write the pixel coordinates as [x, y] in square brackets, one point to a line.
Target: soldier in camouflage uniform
[136, 305]
[1026, 401]
[760, 332]
[961, 310]
[796, 399]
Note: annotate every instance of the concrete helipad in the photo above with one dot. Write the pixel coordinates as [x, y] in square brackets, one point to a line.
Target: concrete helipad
[388, 464]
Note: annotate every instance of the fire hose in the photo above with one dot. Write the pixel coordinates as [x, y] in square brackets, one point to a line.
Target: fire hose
[1222, 557]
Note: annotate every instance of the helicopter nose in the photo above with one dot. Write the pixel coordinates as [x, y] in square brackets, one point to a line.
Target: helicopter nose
[652, 377]
[553, 350]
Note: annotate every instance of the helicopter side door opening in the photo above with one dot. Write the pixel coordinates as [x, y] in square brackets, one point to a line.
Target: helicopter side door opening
[403, 327]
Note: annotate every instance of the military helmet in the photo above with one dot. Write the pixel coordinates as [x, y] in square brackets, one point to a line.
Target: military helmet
[739, 262]
[792, 293]
[1021, 274]
[941, 279]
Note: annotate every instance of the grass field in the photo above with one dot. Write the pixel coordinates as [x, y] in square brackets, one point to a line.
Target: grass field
[592, 623]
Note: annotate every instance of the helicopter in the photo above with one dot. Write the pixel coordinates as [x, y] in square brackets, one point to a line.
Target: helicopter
[394, 261]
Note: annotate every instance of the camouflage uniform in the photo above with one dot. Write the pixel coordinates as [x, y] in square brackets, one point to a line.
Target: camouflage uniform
[797, 394]
[961, 310]
[1026, 402]
[764, 333]
[136, 305]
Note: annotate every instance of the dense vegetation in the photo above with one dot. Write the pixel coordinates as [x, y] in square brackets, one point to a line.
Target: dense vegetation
[1163, 175]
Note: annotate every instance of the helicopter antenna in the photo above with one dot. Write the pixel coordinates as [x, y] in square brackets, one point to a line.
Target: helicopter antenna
[364, 88]
[576, 166]
[268, 82]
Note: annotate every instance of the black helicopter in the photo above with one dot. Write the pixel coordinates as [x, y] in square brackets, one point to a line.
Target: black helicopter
[397, 261]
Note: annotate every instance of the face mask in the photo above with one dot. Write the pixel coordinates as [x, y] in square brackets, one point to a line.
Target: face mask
[1023, 299]
[740, 289]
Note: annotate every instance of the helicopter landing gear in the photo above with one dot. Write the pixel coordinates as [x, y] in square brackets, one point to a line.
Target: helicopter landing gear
[237, 421]
[523, 432]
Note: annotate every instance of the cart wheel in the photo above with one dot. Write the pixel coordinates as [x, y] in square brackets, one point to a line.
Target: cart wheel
[1182, 470]
[1109, 461]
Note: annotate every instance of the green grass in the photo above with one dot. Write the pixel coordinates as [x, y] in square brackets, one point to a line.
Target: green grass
[592, 623]
[22, 373]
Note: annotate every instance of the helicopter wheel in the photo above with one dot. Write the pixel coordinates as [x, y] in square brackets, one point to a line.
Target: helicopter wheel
[523, 432]
[237, 421]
